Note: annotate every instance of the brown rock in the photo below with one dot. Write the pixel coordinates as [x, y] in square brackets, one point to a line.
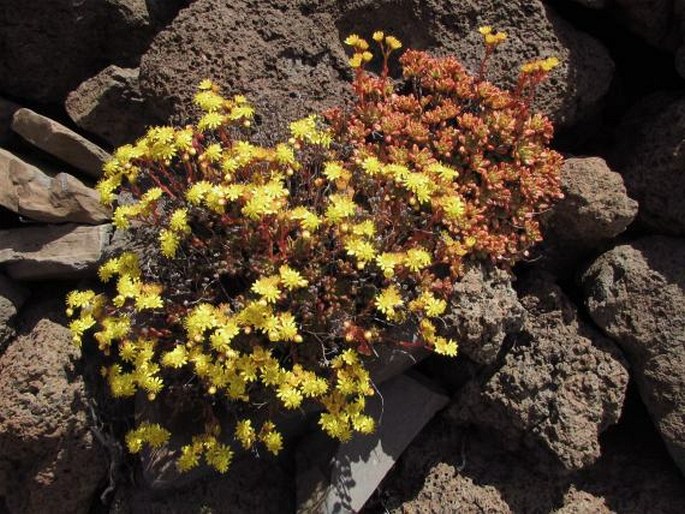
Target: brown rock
[59, 141]
[109, 105]
[636, 294]
[649, 155]
[560, 385]
[29, 192]
[47, 451]
[483, 311]
[71, 41]
[12, 297]
[454, 470]
[288, 58]
[53, 251]
[595, 209]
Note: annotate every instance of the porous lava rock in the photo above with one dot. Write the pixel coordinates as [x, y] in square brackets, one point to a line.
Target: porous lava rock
[636, 293]
[450, 469]
[649, 155]
[48, 455]
[12, 297]
[288, 58]
[560, 385]
[596, 208]
[110, 105]
[483, 311]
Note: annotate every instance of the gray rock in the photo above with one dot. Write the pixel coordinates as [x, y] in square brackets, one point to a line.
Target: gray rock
[655, 21]
[29, 192]
[649, 155]
[345, 481]
[483, 311]
[12, 297]
[109, 105]
[52, 251]
[47, 451]
[559, 386]
[636, 294]
[595, 209]
[290, 61]
[59, 141]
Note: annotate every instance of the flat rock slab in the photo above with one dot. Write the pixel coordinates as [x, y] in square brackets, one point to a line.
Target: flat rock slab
[53, 251]
[29, 192]
[59, 141]
[342, 480]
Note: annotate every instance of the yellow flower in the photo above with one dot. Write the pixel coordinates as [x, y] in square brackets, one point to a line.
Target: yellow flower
[213, 152]
[206, 85]
[308, 220]
[273, 441]
[417, 259]
[444, 346]
[178, 222]
[245, 433]
[339, 208]
[378, 36]
[218, 455]
[211, 121]
[361, 249]
[393, 43]
[267, 288]
[290, 397]
[388, 300]
[169, 242]
[485, 30]
[208, 100]
[387, 262]
[190, 457]
[176, 358]
[291, 278]
[333, 170]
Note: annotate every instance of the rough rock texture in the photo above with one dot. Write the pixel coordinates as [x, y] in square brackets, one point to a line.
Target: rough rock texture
[251, 485]
[560, 385]
[12, 297]
[59, 141]
[595, 209]
[69, 41]
[47, 452]
[636, 294]
[484, 311]
[289, 58]
[650, 157]
[29, 192]
[52, 251]
[451, 470]
[109, 105]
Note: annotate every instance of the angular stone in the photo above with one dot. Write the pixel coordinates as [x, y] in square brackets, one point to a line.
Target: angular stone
[12, 297]
[52, 251]
[29, 192]
[59, 141]
[559, 386]
[636, 294]
[47, 450]
[109, 105]
[595, 209]
[344, 481]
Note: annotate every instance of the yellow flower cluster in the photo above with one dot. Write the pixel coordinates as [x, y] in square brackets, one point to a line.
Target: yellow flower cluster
[491, 37]
[540, 66]
[216, 454]
[146, 433]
